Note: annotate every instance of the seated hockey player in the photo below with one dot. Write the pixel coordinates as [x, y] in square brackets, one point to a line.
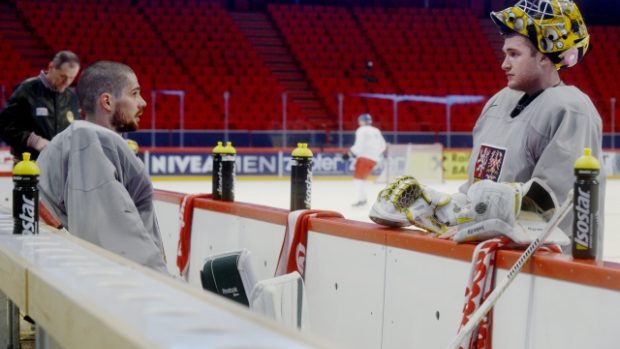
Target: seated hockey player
[92, 181]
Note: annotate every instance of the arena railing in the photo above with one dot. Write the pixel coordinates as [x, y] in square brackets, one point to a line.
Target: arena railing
[397, 122]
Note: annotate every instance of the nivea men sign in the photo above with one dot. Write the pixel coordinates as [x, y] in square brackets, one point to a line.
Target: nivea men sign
[201, 164]
[247, 164]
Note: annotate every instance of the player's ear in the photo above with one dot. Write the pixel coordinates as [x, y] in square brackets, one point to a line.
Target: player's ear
[543, 60]
[105, 101]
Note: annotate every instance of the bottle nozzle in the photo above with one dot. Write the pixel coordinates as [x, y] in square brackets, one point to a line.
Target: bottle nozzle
[587, 161]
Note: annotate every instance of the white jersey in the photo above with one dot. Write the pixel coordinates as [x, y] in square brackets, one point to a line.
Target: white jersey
[543, 141]
[100, 191]
[369, 143]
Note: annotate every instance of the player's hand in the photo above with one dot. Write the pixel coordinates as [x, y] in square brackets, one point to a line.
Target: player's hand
[40, 144]
[347, 155]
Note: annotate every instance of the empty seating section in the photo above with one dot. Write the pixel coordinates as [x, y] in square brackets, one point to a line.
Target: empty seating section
[220, 58]
[603, 72]
[112, 30]
[196, 47]
[14, 70]
[332, 50]
[434, 52]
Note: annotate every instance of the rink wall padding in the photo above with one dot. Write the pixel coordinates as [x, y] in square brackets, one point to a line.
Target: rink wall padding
[375, 287]
[83, 296]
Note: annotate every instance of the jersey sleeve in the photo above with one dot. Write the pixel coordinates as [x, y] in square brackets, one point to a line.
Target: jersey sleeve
[563, 141]
[13, 129]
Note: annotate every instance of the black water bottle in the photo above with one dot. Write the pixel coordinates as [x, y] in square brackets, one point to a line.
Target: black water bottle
[301, 177]
[229, 155]
[216, 183]
[585, 207]
[26, 197]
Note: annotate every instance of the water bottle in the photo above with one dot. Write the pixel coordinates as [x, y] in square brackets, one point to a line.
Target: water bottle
[216, 188]
[229, 155]
[301, 177]
[26, 197]
[585, 207]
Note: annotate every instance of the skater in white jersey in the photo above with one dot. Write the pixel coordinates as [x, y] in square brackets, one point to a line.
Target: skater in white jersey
[537, 126]
[368, 149]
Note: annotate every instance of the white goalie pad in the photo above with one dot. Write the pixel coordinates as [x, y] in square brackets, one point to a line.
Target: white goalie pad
[537, 206]
[283, 299]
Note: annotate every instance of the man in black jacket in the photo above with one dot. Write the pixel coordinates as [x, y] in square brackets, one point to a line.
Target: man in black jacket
[41, 106]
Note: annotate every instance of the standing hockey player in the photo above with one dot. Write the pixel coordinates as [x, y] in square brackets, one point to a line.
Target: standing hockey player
[533, 129]
[90, 178]
[537, 126]
[368, 149]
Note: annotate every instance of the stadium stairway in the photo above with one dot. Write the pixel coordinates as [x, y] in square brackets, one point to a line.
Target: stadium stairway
[267, 41]
[15, 31]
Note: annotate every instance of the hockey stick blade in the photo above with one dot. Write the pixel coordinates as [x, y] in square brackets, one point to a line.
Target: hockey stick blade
[484, 308]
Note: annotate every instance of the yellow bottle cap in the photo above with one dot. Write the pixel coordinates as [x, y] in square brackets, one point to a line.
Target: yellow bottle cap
[26, 167]
[587, 161]
[219, 148]
[302, 150]
[229, 149]
[133, 145]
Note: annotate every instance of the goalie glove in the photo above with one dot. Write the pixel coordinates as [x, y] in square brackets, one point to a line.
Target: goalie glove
[406, 202]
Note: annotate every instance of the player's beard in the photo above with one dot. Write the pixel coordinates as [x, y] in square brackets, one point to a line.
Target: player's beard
[123, 123]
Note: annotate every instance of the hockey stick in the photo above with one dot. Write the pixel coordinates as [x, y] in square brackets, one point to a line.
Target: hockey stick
[500, 288]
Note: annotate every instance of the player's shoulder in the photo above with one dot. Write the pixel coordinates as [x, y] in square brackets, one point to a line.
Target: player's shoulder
[372, 130]
[27, 86]
[565, 91]
[31, 81]
[505, 98]
[90, 131]
[506, 94]
[567, 97]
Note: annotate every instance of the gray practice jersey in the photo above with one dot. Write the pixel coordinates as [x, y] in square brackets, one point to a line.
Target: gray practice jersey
[543, 141]
[98, 188]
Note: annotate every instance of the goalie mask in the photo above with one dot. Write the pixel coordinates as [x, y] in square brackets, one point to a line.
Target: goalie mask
[555, 27]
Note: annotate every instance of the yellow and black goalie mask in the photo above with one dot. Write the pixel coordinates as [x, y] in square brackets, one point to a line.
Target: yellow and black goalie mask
[555, 27]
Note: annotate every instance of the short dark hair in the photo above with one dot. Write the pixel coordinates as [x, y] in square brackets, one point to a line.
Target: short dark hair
[101, 77]
[533, 48]
[63, 57]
